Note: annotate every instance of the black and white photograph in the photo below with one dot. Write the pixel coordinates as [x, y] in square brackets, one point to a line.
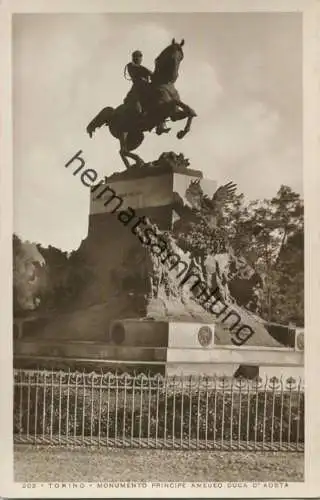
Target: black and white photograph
[158, 252]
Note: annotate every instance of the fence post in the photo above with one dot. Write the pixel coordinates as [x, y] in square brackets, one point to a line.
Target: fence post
[68, 406]
[298, 413]
[83, 380]
[36, 406]
[124, 409]
[149, 407]
[92, 407]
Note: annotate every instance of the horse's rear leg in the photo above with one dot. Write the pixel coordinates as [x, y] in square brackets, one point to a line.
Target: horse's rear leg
[139, 161]
[124, 159]
[125, 153]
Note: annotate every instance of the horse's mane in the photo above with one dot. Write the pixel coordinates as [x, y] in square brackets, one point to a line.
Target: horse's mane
[163, 55]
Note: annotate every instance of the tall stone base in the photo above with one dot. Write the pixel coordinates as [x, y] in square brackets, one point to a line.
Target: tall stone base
[120, 268]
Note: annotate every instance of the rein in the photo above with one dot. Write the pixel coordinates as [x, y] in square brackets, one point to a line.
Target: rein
[125, 74]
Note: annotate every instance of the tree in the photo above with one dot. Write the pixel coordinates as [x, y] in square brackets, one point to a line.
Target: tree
[28, 276]
[269, 233]
[287, 300]
[46, 279]
[67, 275]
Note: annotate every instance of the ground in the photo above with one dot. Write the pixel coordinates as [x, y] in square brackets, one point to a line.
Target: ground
[45, 464]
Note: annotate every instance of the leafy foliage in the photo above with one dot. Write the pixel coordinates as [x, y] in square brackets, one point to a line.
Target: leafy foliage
[67, 276]
[28, 276]
[269, 234]
[55, 285]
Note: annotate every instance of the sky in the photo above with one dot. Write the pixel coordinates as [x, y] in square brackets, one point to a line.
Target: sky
[242, 73]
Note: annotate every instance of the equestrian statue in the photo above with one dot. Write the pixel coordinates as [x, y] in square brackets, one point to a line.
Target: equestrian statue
[151, 101]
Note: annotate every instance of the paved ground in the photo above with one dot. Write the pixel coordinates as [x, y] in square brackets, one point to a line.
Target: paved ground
[45, 464]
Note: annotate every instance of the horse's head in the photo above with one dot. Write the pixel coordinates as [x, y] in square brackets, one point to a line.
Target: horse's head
[176, 50]
[168, 62]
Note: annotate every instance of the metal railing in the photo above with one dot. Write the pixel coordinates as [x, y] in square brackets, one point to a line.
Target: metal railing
[122, 410]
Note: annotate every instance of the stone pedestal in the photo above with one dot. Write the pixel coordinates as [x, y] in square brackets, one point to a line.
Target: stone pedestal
[121, 268]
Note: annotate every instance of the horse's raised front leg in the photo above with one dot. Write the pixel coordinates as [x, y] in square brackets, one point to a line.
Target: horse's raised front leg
[179, 114]
[186, 129]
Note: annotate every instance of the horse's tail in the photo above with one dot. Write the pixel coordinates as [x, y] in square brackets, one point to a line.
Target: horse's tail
[102, 118]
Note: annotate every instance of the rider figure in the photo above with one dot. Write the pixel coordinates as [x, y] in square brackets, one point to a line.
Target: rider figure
[140, 76]
[139, 92]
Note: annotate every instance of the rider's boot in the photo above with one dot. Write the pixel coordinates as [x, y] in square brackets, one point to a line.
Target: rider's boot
[162, 129]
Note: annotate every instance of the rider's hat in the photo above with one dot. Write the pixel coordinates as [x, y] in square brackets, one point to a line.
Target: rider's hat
[137, 53]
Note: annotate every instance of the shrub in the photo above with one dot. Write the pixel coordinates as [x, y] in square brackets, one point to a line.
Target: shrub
[212, 415]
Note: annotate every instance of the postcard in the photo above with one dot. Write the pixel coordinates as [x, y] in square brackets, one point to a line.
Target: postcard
[159, 248]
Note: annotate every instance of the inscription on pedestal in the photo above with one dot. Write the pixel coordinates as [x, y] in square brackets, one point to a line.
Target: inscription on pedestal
[136, 193]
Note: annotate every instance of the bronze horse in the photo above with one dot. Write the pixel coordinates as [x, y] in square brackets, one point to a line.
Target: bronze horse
[161, 102]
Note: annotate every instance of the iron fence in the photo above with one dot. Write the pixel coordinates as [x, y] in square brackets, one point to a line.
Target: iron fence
[122, 410]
